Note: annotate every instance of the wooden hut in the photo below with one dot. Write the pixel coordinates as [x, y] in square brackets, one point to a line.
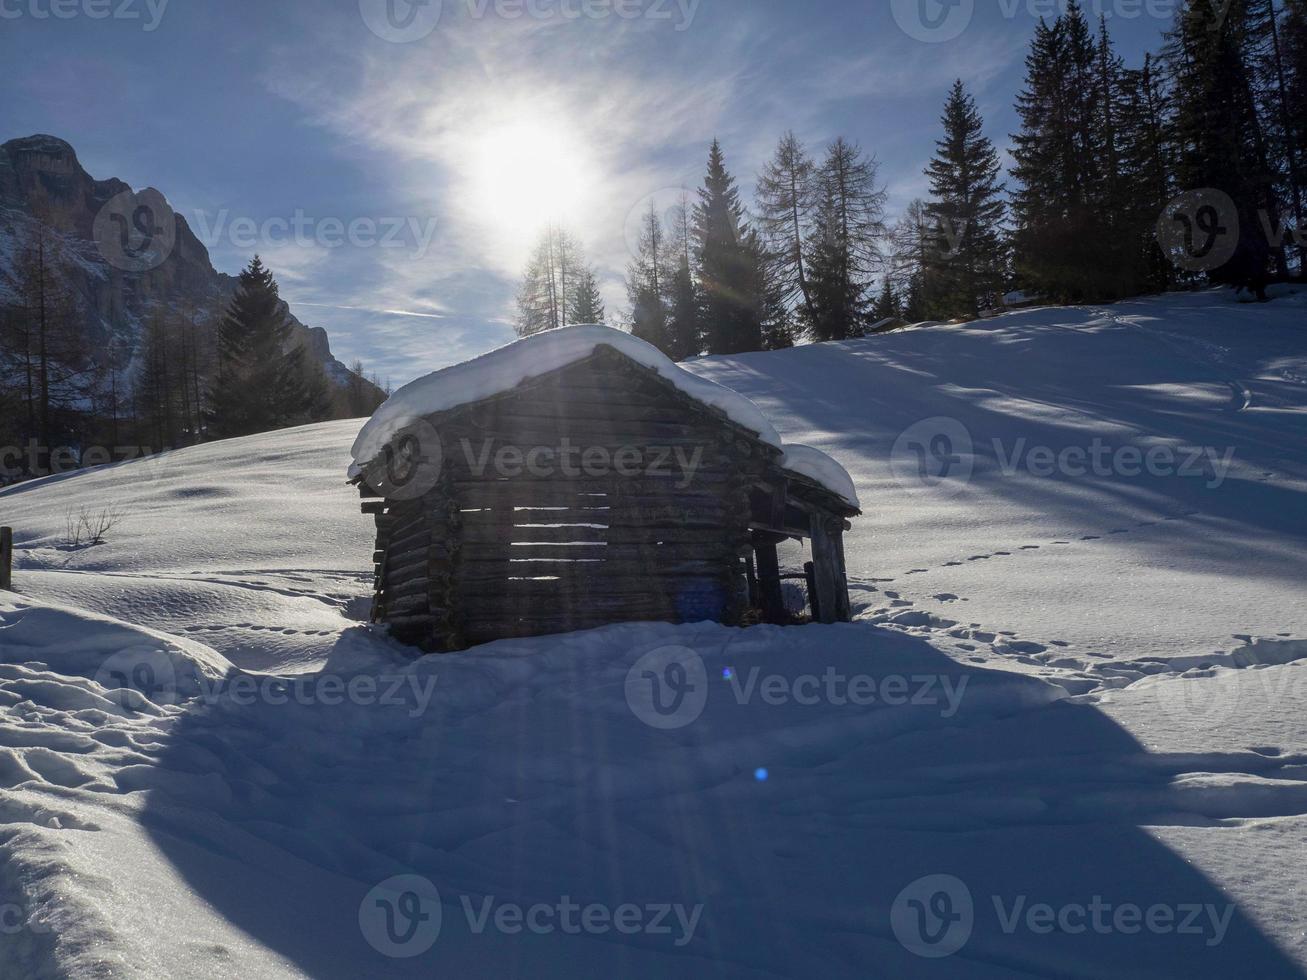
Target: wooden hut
[579, 478]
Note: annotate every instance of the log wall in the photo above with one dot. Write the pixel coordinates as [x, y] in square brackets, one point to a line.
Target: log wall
[521, 536]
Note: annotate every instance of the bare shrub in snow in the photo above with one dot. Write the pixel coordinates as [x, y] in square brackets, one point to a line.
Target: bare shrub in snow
[87, 527]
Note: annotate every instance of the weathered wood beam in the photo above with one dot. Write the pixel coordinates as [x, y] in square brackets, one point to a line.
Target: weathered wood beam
[6, 559]
[771, 596]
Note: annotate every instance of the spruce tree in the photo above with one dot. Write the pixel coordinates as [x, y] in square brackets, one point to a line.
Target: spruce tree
[1146, 175]
[1220, 137]
[261, 382]
[587, 305]
[727, 263]
[1058, 238]
[966, 209]
[887, 303]
[1292, 61]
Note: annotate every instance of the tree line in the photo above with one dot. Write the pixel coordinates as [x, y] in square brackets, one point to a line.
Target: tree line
[1102, 151]
[74, 391]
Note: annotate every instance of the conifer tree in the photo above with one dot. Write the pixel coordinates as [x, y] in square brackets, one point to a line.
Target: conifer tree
[726, 261]
[910, 244]
[261, 382]
[1146, 175]
[587, 305]
[966, 209]
[787, 197]
[1060, 205]
[1291, 81]
[843, 248]
[553, 272]
[887, 303]
[646, 283]
[1220, 137]
[684, 328]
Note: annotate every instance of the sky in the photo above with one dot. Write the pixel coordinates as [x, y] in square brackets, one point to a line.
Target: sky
[394, 161]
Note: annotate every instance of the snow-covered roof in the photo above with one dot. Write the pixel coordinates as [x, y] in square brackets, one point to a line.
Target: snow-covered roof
[531, 357]
[822, 470]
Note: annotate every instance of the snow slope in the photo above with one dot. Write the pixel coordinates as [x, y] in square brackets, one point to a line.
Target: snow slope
[212, 767]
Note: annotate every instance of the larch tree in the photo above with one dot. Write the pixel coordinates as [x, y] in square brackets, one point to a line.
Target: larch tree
[787, 199]
[843, 247]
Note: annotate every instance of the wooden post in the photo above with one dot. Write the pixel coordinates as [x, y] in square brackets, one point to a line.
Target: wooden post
[6, 559]
[769, 584]
[826, 572]
[814, 599]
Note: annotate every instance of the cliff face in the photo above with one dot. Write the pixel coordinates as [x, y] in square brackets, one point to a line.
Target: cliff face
[126, 253]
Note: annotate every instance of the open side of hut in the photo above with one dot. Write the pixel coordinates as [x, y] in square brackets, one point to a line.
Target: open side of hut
[579, 478]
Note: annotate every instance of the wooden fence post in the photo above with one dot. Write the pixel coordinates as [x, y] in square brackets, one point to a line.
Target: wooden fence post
[6, 558]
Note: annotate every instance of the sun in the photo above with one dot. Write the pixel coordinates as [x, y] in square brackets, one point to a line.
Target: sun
[525, 173]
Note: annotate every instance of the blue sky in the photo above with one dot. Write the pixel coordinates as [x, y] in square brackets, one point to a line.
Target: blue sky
[420, 148]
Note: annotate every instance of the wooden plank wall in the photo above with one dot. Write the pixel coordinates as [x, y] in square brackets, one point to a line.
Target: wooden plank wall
[548, 553]
[487, 555]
